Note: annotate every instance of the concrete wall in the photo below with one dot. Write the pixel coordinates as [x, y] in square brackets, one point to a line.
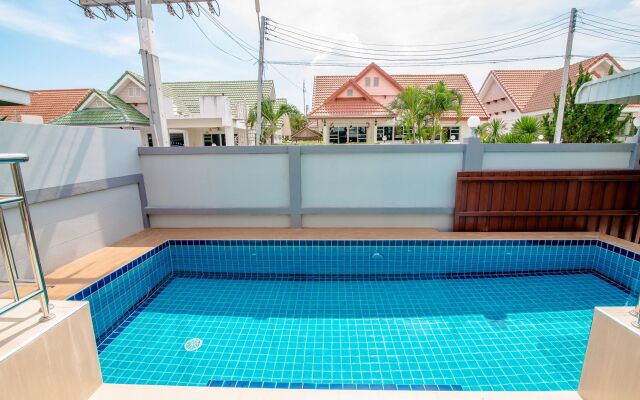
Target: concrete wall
[82, 185]
[337, 186]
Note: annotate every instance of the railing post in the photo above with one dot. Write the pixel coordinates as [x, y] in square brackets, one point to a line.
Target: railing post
[473, 154]
[634, 159]
[29, 234]
[295, 186]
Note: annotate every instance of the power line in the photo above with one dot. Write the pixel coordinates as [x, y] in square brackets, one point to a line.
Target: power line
[562, 16]
[399, 55]
[547, 37]
[213, 43]
[322, 42]
[610, 20]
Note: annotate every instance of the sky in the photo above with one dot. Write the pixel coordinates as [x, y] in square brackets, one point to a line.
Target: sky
[50, 44]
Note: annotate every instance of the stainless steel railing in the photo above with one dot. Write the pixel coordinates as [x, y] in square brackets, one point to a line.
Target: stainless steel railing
[13, 280]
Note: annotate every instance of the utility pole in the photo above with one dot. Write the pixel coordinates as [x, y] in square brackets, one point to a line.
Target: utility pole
[151, 70]
[150, 61]
[304, 98]
[565, 77]
[260, 73]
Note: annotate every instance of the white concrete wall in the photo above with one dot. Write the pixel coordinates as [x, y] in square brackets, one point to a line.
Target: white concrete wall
[379, 180]
[71, 227]
[400, 187]
[541, 160]
[217, 180]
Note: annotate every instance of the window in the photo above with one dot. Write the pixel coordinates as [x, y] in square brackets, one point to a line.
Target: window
[176, 139]
[451, 132]
[214, 139]
[149, 140]
[134, 91]
[358, 134]
[100, 104]
[384, 133]
[338, 135]
[376, 81]
[367, 81]
[349, 92]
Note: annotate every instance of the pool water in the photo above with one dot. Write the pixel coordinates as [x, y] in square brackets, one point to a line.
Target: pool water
[470, 333]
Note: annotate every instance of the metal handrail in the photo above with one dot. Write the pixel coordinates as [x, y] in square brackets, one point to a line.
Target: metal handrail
[13, 278]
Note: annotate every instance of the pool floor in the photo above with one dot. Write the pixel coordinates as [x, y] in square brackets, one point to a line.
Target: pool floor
[501, 333]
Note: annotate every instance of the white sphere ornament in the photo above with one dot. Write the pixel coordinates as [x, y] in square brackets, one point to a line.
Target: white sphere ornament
[473, 121]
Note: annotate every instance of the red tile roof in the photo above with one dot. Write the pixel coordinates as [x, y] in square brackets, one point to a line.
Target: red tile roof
[48, 104]
[519, 84]
[543, 97]
[324, 86]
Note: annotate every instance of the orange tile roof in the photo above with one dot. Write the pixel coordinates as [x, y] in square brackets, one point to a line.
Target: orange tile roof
[326, 85]
[519, 84]
[48, 104]
[543, 97]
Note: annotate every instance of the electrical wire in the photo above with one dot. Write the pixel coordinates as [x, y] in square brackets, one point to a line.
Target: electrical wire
[90, 13]
[522, 36]
[316, 50]
[244, 45]
[339, 63]
[609, 19]
[582, 32]
[524, 40]
[213, 43]
[606, 31]
[486, 38]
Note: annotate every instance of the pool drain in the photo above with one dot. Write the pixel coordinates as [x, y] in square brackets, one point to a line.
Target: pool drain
[192, 344]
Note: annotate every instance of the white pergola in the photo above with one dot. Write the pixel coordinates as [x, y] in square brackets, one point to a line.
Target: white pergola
[10, 96]
[621, 88]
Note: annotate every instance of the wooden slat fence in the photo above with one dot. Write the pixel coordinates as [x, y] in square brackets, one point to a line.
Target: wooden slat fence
[596, 201]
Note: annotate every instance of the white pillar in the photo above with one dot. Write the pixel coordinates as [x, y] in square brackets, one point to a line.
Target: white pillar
[373, 134]
[325, 134]
[228, 136]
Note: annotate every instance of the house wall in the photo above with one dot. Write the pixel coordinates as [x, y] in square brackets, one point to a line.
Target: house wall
[495, 100]
[82, 186]
[338, 186]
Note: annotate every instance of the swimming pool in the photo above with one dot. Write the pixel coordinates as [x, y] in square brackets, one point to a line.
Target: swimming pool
[391, 315]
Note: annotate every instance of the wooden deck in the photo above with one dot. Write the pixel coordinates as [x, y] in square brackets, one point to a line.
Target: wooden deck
[76, 275]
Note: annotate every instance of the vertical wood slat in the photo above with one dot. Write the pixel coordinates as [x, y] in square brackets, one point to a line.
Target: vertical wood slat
[592, 192]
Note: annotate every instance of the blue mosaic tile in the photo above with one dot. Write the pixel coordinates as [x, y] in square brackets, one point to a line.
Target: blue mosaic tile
[349, 315]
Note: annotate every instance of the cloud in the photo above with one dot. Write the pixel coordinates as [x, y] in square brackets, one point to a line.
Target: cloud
[112, 44]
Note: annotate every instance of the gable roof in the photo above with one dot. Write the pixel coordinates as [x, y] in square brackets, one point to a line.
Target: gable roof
[324, 86]
[127, 74]
[307, 134]
[49, 104]
[519, 85]
[186, 95]
[543, 97]
[119, 113]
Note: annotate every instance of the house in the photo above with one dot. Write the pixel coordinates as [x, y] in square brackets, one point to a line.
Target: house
[307, 134]
[355, 109]
[45, 105]
[508, 94]
[206, 113]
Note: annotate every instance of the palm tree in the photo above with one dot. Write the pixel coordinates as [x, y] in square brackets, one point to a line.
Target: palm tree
[270, 118]
[527, 125]
[410, 106]
[439, 99]
[490, 131]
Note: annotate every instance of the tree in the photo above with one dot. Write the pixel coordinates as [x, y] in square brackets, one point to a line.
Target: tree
[524, 130]
[296, 119]
[270, 118]
[439, 99]
[490, 131]
[586, 123]
[411, 110]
